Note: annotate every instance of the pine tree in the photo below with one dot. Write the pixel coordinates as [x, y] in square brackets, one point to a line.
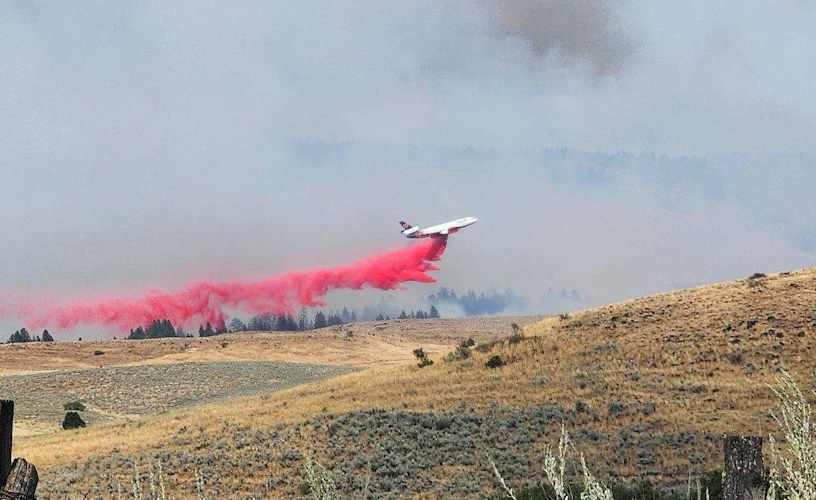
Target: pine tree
[434, 313]
[403, 315]
[167, 329]
[320, 320]
[208, 330]
[137, 334]
[46, 337]
[303, 321]
[236, 325]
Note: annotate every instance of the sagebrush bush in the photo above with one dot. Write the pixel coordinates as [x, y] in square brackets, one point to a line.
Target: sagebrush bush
[422, 356]
[495, 362]
[461, 352]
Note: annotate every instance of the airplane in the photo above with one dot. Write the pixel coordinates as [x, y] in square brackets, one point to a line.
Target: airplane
[438, 231]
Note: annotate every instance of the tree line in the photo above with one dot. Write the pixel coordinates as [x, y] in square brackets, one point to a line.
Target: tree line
[482, 304]
[22, 335]
[267, 322]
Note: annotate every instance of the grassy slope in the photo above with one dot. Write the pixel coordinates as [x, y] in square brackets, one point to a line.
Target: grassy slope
[675, 353]
[364, 343]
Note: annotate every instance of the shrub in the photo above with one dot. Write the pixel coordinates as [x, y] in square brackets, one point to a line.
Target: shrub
[648, 408]
[757, 276]
[516, 337]
[99, 353]
[518, 334]
[564, 316]
[74, 406]
[461, 352]
[495, 362]
[422, 356]
[72, 421]
[486, 346]
[469, 343]
[615, 407]
[736, 357]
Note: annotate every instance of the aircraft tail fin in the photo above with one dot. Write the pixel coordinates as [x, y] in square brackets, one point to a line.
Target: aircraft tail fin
[405, 225]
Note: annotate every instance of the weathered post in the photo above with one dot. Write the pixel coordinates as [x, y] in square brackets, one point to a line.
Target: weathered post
[6, 429]
[745, 477]
[21, 483]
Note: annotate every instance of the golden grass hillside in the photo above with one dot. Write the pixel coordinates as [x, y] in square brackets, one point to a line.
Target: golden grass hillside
[647, 388]
[363, 343]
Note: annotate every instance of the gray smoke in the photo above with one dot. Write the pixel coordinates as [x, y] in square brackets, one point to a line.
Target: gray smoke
[580, 32]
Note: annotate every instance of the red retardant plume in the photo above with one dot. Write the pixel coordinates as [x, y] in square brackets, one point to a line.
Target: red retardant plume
[205, 301]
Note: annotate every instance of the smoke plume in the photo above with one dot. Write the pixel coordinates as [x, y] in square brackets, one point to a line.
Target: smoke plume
[582, 30]
[206, 301]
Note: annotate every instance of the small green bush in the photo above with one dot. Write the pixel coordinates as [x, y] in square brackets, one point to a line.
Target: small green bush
[99, 353]
[486, 346]
[495, 362]
[72, 421]
[461, 352]
[514, 339]
[74, 406]
[615, 407]
[422, 356]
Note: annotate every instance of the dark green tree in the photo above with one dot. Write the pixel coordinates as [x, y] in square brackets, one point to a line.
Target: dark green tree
[303, 320]
[320, 320]
[434, 313]
[20, 335]
[46, 337]
[207, 331]
[137, 334]
[236, 325]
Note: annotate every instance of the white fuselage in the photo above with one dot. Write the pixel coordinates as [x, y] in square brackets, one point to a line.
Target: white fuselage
[439, 229]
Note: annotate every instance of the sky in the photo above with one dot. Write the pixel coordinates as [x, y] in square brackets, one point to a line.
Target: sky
[614, 147]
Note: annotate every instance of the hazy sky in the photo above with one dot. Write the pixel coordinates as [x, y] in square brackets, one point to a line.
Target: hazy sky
[150, 144]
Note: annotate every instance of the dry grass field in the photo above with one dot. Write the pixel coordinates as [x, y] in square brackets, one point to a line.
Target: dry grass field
[359, 344]
[647, 388]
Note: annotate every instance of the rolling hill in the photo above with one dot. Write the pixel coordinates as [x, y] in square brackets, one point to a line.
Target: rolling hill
[647, 388]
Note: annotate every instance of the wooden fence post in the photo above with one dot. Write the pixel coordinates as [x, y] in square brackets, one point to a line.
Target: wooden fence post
[6, 429]
[21, 483]
[745, 476]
